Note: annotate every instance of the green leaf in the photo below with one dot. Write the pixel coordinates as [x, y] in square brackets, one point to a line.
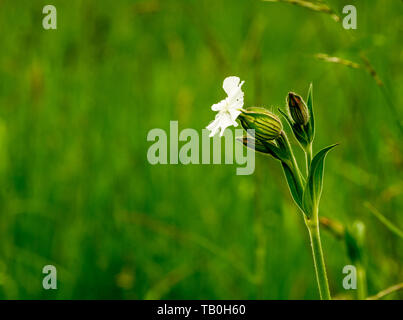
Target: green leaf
[311, 123]
[314, 183]
[285, 115]
[295, 188]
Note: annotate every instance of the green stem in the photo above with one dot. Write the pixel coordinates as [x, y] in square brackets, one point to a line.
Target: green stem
[316, 245]
[308, 157]
[318, 260]
[284, 143]
[313, 223]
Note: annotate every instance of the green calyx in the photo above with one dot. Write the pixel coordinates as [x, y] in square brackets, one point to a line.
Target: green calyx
[266, 147]
[266, 124]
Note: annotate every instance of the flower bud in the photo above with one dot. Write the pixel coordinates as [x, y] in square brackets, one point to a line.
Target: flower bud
[254, 144]
[298, 109]
[267, 125]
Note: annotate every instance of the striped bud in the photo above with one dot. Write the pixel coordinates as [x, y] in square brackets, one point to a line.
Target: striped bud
[298, 109]
[254, 144]
[267, 125]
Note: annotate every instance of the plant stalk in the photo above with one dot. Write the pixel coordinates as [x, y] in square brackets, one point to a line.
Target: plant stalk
[318, 260]
[308, 157]
[316, 244]
[313, 223]
[286, 144]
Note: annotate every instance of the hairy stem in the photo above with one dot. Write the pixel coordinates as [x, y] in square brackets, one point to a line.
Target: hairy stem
[316, 245]
[308, 157]
[318, 260]
[313, 223]
[284, 143]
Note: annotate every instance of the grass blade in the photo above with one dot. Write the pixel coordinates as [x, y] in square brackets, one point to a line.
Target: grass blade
[387, 291]
[387, 223]
[311, 6]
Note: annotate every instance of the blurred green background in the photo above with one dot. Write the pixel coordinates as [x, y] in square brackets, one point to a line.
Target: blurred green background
[77, 191]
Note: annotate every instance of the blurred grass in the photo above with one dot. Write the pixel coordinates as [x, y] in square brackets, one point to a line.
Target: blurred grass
[77, 191]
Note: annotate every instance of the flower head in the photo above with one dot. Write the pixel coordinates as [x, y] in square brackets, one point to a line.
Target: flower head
[229, 108]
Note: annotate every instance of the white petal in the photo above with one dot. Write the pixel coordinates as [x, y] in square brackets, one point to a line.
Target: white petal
[214, 126]
[230, 84]
[218, 106]
[234, 113]
[222, 121]
[225, 121]
[235, 102]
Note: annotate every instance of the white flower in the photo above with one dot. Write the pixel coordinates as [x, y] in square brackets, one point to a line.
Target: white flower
[229, 108]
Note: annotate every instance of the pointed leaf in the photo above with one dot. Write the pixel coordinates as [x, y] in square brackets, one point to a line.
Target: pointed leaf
[314, 183]
[285, 115]
[295, 189]
[311, 123]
